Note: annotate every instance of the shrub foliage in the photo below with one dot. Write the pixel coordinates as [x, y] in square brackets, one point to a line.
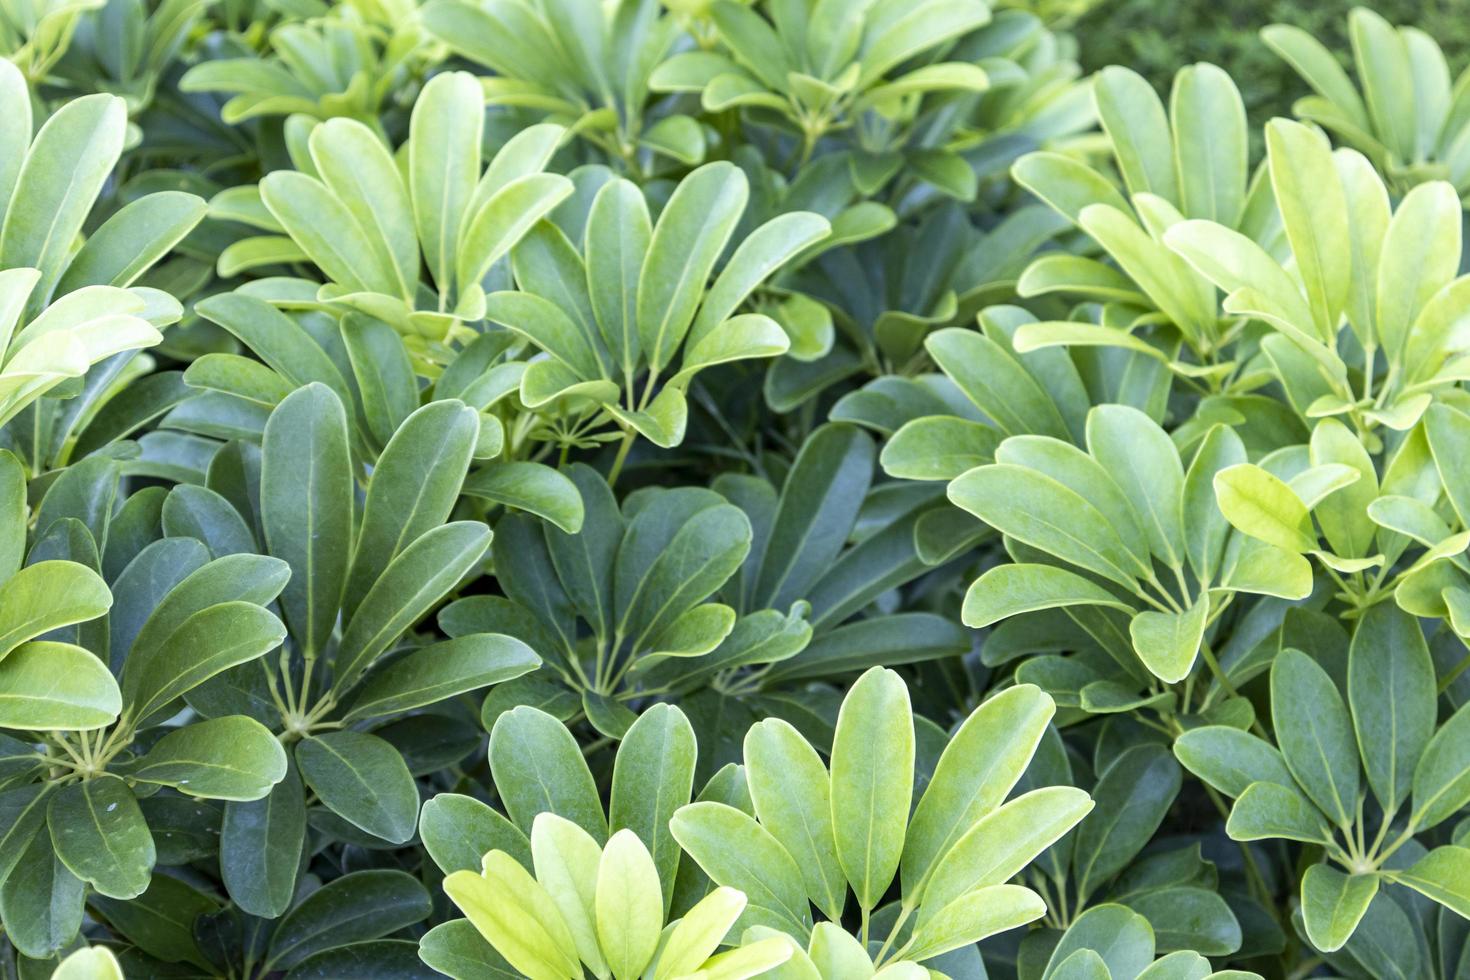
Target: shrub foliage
[708, 489]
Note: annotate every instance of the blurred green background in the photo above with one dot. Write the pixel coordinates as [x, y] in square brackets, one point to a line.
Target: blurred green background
[1155, 37]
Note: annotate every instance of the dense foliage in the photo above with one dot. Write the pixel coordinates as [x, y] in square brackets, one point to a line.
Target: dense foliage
[672, 489]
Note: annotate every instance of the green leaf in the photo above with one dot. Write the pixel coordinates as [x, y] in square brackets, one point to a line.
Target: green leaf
[200, 513]
[791, 790]
[260, 847]
[325, 228]
[1267, 810]
[416, 579]
[306, 506]
[532, 487]
[48, 595]
[872, 781]
[460, 830]
[672, 557]
[41, 902]
[1211, 144]
[538, 767]
[758, 256]
[1230, 760]
[737, 852]
[1139, 455]
[443, 166]
[973, 917]
[976, 772]
[362, 779]
[13, 516]
[359, 906]
[504, 219]
[456, 949]
[231, 758]
[276, 338]
[935, 447]
[414, 485]
[1010, 590]
[1443, 875]
[1392, 694]
[101, 836]
[441, 671]
[1318, 67]
[68, 163]
[209, 642]
[1442, 777]
[618, 234]
[1333, 904]
[1132, 795]
[386, 385]
[1314, 215]
[1134, 120]
[997, 383]
[132, 240]
[1118, 936]
[1039, 511]
[1420, 255]
[1387, 77]
[653, 775]
[1088, 476]
[360, 172]
[1343, 514]
[1318, 745]
[1168, 643]
[47, 686]
[815, 514]
[1000, 844]
[687, 240]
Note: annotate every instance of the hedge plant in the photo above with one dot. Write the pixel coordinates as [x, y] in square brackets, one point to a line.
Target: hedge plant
[701, 489]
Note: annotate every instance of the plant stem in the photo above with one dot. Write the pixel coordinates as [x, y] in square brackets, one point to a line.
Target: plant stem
[629, 434]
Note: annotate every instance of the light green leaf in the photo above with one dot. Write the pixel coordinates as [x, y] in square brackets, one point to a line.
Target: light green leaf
[1258, 503]
[230, 758]
[1443, 875]
[791, 791]
[46, 596]
[566, 861]
[973, 917]
[1168, 642]
[1315, 216]
[630, 906]
[687, 240]
[976, 771]
[1333, 904]
[872, 781]
[443, 166]
[56, 686]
